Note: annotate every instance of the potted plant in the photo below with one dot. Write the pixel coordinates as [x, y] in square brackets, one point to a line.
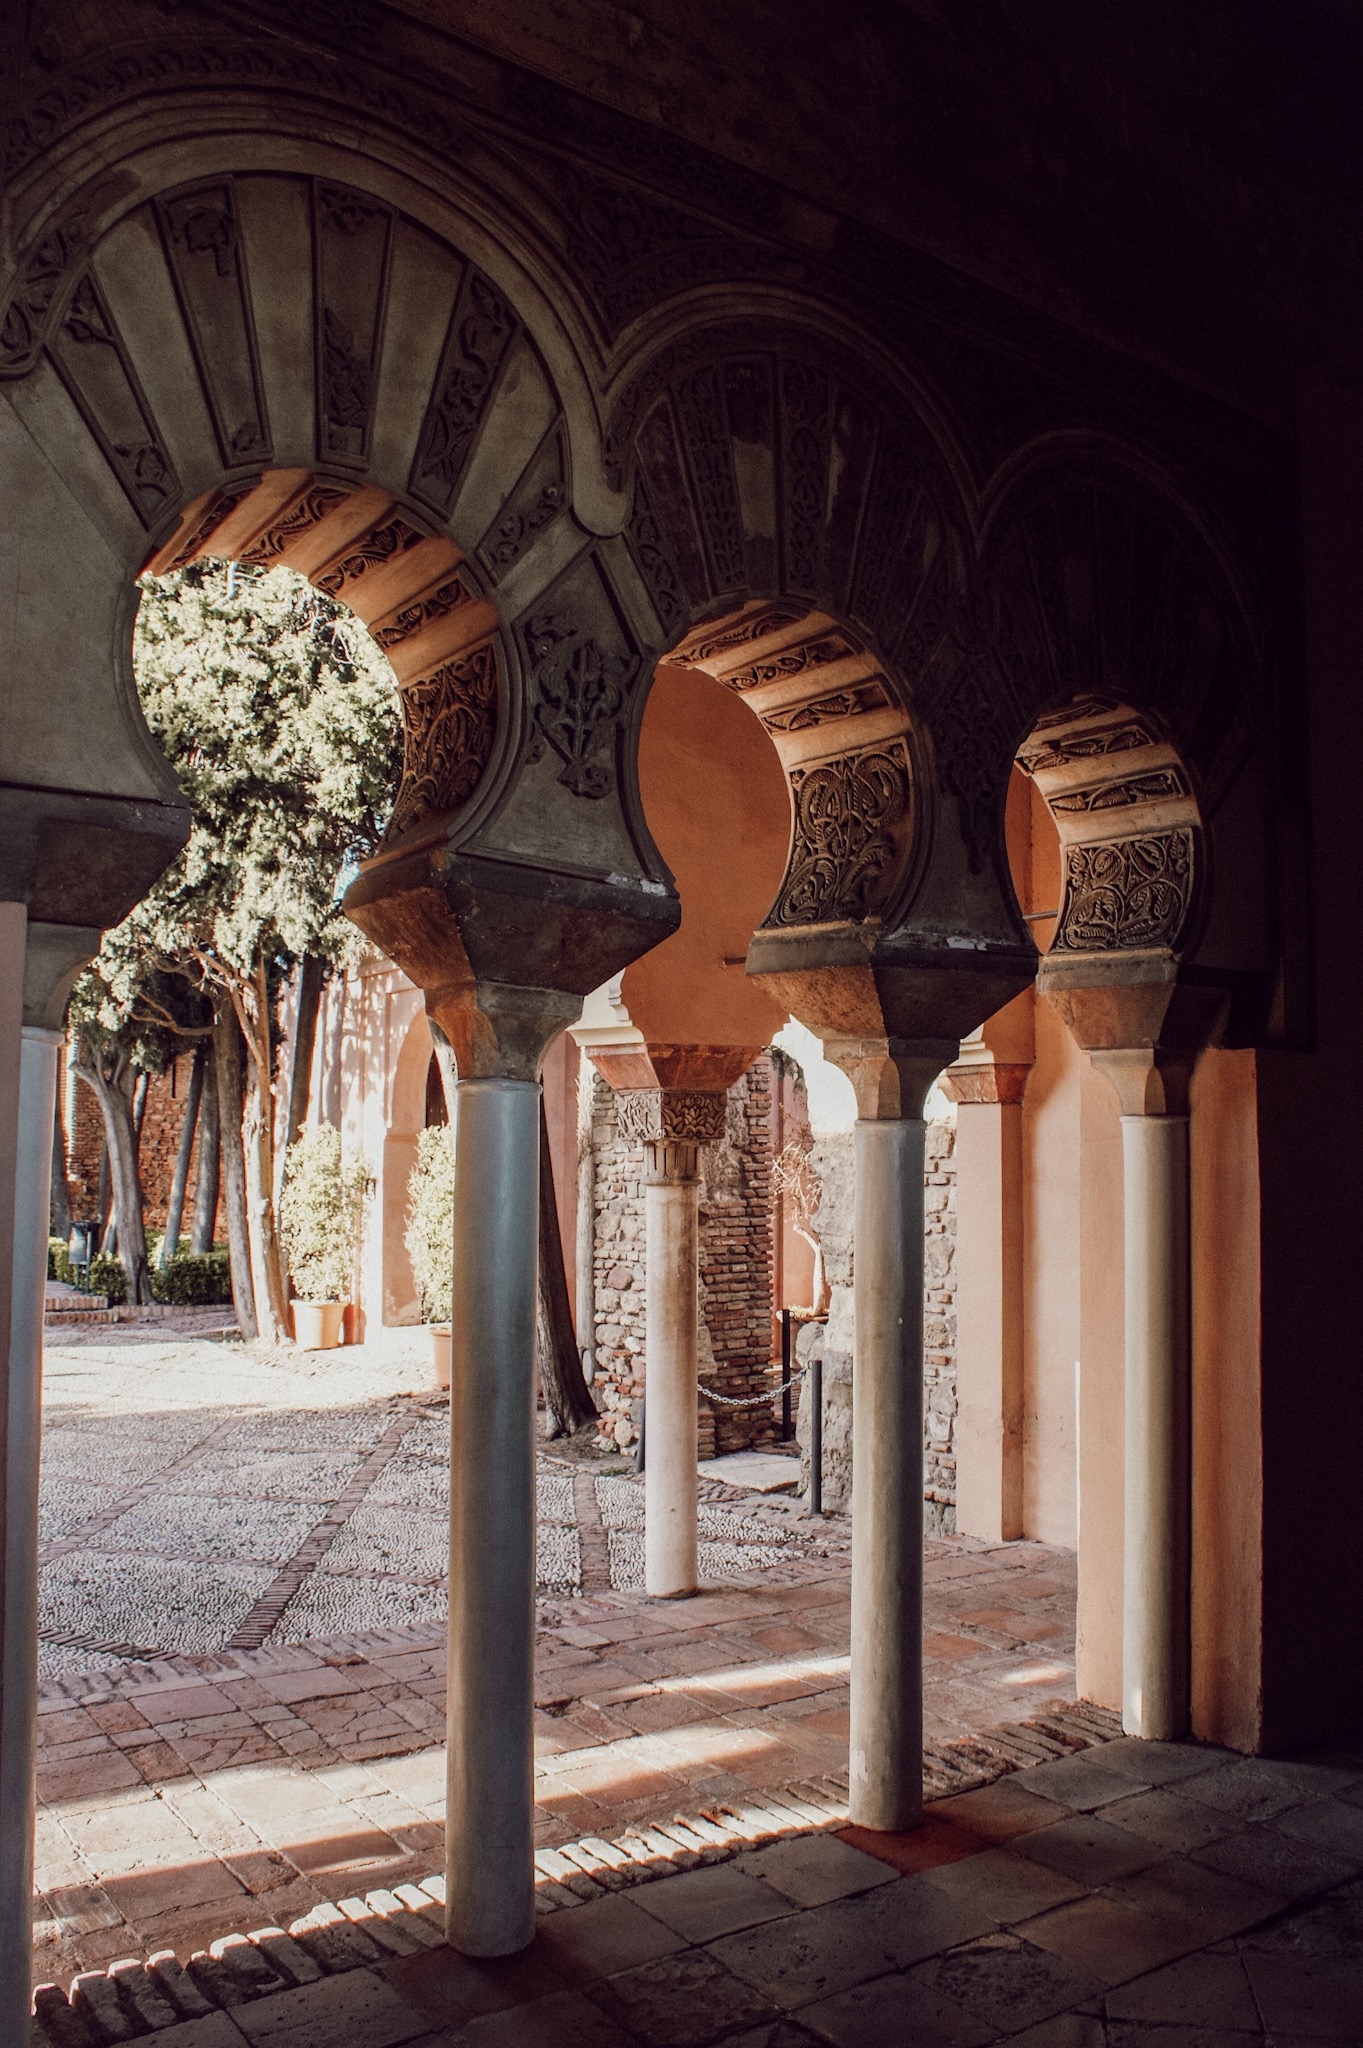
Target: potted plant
[320, 1223]
[430, 1237]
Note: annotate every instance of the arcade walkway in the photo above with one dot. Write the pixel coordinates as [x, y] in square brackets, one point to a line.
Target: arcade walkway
[242, 1608]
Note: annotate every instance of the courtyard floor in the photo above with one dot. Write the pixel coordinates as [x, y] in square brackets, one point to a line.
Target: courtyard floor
[242, 1642]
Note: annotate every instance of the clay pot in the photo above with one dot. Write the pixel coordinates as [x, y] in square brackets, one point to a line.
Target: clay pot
[440, 1352]
[317, 1325]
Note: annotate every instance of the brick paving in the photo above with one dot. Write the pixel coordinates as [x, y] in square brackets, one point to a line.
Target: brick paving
[1128, 1895]
[186, 1796]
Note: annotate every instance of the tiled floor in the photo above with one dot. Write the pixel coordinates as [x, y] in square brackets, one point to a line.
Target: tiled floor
[192, 1795]
[1132, 1896]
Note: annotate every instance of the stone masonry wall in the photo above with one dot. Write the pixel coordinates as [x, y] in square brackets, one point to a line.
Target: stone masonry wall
[735, 1331]
[833, 1160]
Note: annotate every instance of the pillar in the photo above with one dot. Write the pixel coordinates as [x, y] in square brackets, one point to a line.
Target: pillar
[673, 1124]
[990, 1354]
[1156, 1321]
[37, 966]
[885, 1764]
[489, 1834]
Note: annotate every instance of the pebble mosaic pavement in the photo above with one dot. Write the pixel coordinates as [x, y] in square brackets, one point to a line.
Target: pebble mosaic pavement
[273, 1525]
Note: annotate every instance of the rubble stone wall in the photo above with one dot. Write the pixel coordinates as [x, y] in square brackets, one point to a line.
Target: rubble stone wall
[833, 1160]
[735, 1327]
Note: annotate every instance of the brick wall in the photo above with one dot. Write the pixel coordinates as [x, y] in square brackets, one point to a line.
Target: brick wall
[161, 1122]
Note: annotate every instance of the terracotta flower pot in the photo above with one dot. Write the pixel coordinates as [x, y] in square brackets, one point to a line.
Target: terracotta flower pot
[317, 1325]
[440, 1352]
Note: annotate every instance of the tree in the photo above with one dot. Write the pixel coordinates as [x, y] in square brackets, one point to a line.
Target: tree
[279, 714]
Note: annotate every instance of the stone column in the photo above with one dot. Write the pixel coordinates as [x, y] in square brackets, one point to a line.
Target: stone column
[1155, 1578]
[673, 1125]
[37, 965]
[989, 1297]
[885, 1765]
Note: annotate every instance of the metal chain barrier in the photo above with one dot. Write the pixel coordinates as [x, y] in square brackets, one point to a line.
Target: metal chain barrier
[752, 1400]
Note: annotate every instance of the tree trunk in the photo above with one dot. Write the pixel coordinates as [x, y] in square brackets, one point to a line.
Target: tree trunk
[206, 1180]
[267, 1264]
[175, 1207]
[104, 1195]
[61, 1186]
[300, 1051]
[120, 1137]
[227, 1060]
[566, 1394]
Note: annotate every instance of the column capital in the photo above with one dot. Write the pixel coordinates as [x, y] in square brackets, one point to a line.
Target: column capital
[1147, 1080]
[1141, 1018]
[672, 1124]
[890, 1076]
[499, 1032]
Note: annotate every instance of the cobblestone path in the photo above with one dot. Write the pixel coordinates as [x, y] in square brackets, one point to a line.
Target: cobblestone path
[242, 1617]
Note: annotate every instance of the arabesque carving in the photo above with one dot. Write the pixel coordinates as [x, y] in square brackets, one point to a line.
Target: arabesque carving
[449, 723]
[481, 329]
[711, 642]
[1084, 746]
[1111, 796]
[437, 604]
[850, 703]
[792, 661]
[383, 544]
[851, 817]
[304, 513]
[24, 326]
[661, 1116]
[580, 693]
[1125, 894]
[215, 514]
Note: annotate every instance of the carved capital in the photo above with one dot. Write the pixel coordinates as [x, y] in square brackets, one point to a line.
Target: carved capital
[671, 1116]
[671, 1163]
[1147, 1081]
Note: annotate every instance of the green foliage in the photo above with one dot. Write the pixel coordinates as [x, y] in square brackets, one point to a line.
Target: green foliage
[108, 1278]
[319, 1214]
[59, 1265]
[193, 1279]
[279, 715]
[429, 1236]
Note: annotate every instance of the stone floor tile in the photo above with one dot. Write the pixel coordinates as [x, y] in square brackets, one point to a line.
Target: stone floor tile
[1107, 1940]
[1264, 1855]
[683, 2001]
[892, 2012]
[775, 2034]
[142, 1895]
[1162, 1763]
[1210, 1903]
[827, 1949]
[1065, 2030]
[1137, 2034]
[700, 1905]
[1000, 1811]
[934, 1843]
[565, 2019]
[1251, 1788]
[1331, 1926]
[1006, 1981]
[1200, 1990]
[451, 1989]
[1332, 1824]
[1170, 1820]
[215, 2030]
[358, 2009]
[1307, 1995]
[1089, 1848]
[1005, 1886]
[1080, 1782]
[609, 1935]
[813, 1870]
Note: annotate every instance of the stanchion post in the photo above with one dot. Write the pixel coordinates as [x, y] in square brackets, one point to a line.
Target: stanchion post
[816, 1435]
[786, 1430]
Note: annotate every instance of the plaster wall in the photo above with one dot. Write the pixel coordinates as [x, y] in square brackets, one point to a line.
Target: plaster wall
[1052, 1117]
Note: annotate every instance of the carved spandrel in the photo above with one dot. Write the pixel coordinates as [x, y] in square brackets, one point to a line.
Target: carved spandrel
[301, 516]
[449, 724]
[449, 597]
[579, 696]
[383, 543]
[1126, 894]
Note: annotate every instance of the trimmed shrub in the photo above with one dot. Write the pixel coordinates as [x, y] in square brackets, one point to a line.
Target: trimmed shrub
[108, 1278]
[193, 1280]
[429, 1236]
[319, 1215]
[59, 1262]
